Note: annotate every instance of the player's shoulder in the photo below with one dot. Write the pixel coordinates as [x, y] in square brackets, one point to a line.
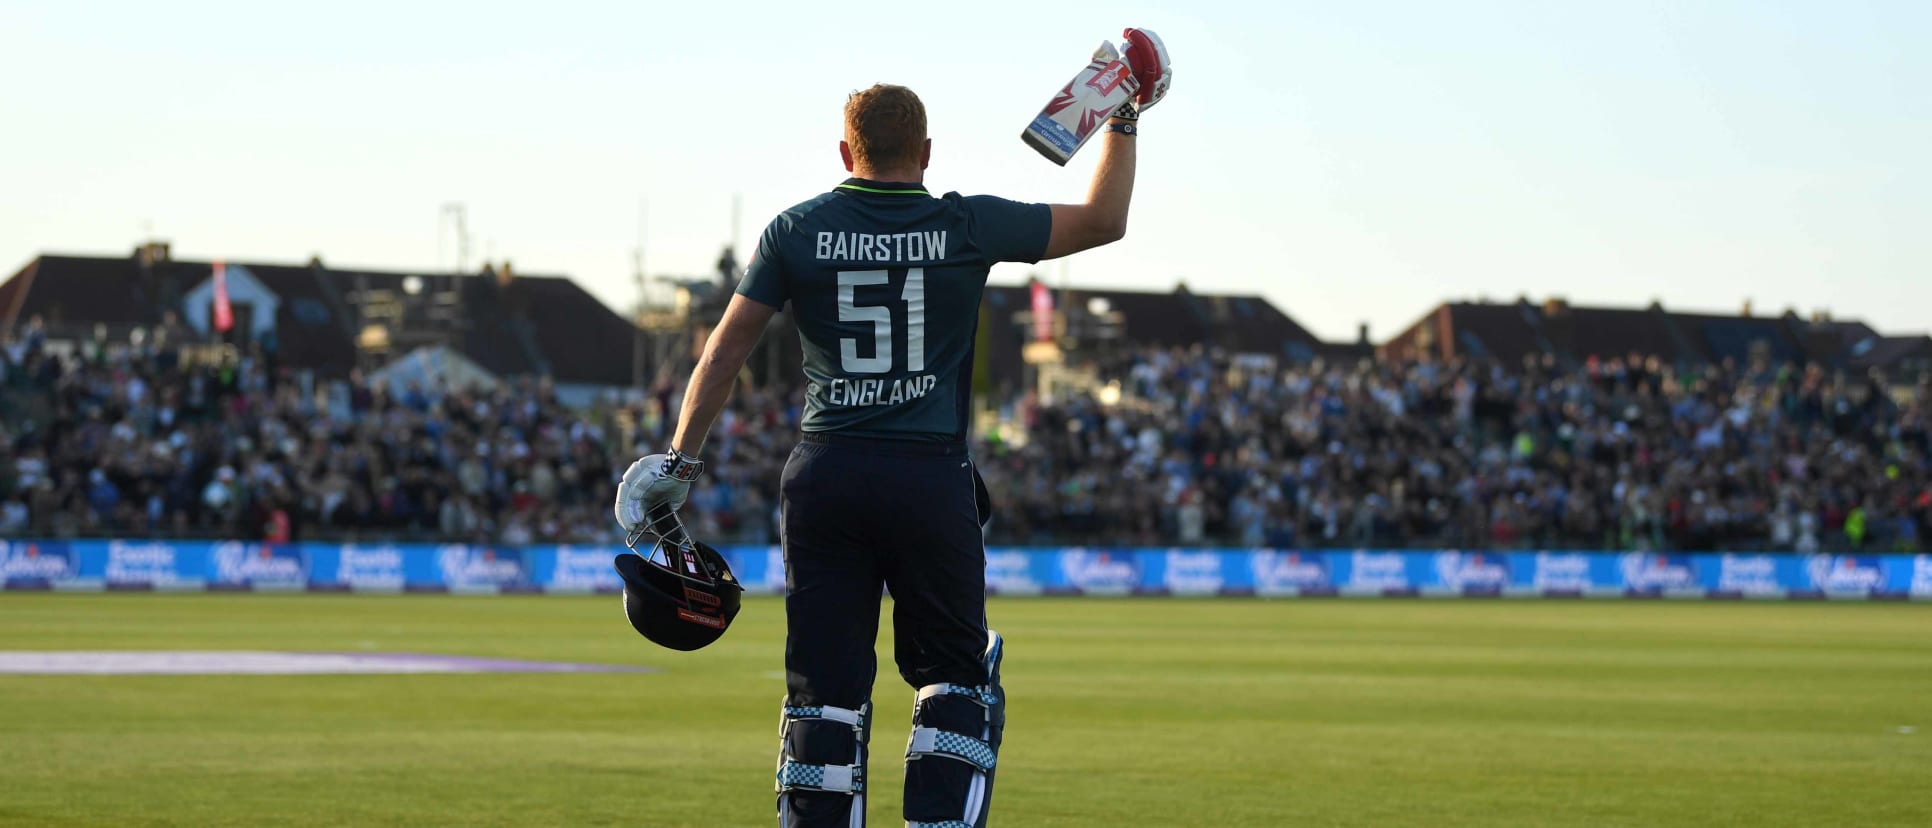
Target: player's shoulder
[975, 204]
[791, 218]
[961, 199]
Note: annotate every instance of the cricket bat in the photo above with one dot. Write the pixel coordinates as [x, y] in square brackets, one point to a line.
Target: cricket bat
[1077, 111]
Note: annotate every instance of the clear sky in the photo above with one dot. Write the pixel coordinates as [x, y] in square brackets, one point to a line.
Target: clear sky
[1353, 162]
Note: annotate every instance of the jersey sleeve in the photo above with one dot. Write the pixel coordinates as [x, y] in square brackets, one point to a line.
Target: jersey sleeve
[764, 280]
[1010, 231]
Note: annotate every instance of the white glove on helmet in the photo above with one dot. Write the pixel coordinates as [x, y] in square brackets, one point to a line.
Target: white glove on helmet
[655, 487]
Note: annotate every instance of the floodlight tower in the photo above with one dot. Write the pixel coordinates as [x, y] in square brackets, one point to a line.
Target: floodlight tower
[457, 214]
[643, 300]
[736, 201]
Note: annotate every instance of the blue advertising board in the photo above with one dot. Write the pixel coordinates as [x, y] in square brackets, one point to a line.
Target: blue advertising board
[487, 569]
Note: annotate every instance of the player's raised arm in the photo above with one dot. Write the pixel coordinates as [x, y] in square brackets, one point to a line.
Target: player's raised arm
[1102, 218]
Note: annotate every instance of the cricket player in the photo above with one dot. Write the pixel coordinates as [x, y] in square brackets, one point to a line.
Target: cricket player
[884, 281]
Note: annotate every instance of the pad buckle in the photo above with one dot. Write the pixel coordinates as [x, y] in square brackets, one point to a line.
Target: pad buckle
[931, 741]
[852, 718]
[984, 696]
[845, 779]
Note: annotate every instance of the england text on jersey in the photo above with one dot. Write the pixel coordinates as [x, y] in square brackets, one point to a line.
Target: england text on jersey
[920, 246]
[848, 392]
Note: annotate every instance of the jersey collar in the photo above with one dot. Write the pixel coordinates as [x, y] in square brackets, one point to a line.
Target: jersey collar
[867, 185]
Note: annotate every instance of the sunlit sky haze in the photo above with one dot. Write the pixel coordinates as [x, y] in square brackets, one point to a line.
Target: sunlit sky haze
[1351, 161]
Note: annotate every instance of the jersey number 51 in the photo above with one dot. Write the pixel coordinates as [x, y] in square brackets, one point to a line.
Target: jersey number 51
[880, 316]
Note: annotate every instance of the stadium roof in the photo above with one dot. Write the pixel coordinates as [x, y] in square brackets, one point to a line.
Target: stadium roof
[1241, 323]
[1513, 331]
[510, 324]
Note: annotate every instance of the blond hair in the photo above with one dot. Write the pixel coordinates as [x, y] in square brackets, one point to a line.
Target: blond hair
[885, 127]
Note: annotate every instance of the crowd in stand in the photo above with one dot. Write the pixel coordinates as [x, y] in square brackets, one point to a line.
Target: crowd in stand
[1619, 454]
[1174, 448]
[131, 441]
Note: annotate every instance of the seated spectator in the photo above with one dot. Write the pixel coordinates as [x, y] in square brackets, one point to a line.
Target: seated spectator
[1173, 447]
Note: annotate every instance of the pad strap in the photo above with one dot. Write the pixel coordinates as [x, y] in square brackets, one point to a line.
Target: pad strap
[841, 715]
[982, 696]
[931, 741]
[845, 779]
[951, 823]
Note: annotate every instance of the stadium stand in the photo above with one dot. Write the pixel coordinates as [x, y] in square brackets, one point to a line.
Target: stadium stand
[1197, 420]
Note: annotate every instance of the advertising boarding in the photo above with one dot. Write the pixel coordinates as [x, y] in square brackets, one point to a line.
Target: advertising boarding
[34, 564]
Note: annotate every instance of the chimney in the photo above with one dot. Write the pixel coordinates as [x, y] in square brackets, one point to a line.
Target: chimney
[149, 287]
[1558, 327]
[151, 252]
[1361, 334]
[1746, 312]
[504, 275]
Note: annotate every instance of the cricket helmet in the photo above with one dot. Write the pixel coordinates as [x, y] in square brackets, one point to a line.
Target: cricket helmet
[679, 593]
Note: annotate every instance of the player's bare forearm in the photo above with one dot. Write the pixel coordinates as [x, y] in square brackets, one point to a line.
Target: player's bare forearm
[1112, 190]
[706, 396]
[1102, 218]
[724, 356]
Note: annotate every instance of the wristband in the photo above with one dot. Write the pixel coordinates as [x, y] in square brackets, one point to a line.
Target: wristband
[681, 466]
[1128, 130]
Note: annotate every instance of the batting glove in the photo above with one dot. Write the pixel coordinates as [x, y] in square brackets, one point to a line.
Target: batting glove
[654, 487]
[1146, 55]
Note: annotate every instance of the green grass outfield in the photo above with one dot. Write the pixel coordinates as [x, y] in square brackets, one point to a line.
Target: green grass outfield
[1158, 712]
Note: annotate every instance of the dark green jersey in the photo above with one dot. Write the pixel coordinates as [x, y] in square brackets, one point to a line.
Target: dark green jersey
[884, 282]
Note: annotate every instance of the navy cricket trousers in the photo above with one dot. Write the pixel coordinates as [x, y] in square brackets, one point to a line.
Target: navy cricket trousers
[858, 516]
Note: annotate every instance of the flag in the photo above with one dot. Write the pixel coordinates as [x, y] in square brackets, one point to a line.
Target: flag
[1042, 312]
[224, 312]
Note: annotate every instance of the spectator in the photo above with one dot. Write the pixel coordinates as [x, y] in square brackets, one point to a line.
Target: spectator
[1175, 446]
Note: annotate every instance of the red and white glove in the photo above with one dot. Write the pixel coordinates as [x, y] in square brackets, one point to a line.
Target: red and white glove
[1116, 83]
[1145, 54]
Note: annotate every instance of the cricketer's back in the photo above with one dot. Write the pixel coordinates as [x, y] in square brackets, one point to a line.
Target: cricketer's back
[884, 282]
